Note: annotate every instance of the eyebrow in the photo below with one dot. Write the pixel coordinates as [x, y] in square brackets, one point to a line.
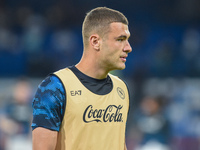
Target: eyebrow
[122, 37]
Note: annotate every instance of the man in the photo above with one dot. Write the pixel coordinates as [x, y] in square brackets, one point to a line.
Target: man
[83, 107]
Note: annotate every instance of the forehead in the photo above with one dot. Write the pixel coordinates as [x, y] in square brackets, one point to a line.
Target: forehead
[118, 29]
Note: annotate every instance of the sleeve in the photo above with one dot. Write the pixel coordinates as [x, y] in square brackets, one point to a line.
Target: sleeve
[49, 104]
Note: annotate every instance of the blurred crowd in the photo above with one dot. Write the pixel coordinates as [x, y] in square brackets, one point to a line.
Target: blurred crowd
[40, 37]
[166, 115]
[15, 117]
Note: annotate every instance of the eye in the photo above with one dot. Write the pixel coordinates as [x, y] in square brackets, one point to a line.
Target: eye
[120, 40]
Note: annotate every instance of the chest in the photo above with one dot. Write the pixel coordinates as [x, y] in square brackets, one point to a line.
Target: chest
[90, 107]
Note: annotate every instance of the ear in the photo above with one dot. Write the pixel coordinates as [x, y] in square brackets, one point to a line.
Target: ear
[95, 41]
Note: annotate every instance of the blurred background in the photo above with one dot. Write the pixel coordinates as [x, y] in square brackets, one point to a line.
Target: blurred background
[163, 71]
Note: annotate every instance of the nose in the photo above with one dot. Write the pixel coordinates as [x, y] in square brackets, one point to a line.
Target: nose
[127, 47]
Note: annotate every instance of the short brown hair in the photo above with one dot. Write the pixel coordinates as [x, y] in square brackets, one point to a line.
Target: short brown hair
[98, 21]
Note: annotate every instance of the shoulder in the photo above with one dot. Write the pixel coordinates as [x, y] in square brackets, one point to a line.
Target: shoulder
[116, 78]
[51, 82]
[51, 86]
[62, 72]
[120, 81]
[50, 91]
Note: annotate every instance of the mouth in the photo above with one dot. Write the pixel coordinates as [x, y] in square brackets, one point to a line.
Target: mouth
[123, 58]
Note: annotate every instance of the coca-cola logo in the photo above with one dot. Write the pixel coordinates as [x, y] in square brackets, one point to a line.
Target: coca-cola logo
[110, 114]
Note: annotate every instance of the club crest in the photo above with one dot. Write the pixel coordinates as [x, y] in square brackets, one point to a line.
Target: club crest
[120, 92]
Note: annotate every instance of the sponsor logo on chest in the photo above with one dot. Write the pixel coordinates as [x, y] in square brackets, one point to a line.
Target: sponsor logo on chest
[112, 113]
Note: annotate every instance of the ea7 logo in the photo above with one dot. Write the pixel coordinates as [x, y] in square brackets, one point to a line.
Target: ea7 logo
[74, 93]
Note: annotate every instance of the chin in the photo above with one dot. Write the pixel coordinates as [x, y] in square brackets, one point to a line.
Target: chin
[121, 67]
[117, 67]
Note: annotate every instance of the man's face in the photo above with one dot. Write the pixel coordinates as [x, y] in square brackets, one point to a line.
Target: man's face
[115, 47]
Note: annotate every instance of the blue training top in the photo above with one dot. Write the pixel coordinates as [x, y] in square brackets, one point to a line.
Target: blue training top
[49, 104]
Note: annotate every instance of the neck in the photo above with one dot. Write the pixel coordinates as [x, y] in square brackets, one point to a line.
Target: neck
[93, 72]
[89, 66]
